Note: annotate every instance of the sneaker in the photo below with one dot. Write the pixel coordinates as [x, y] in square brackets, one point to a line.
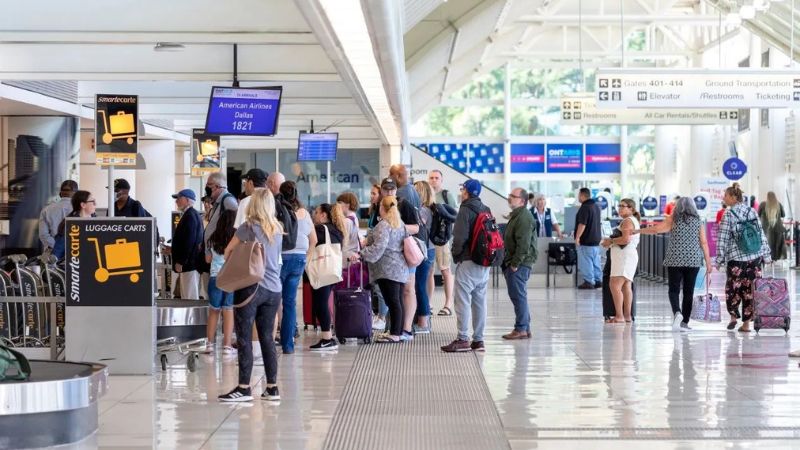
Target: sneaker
[324, 345]
[406, 336]
[271, 394]
[209, 348]
[457, 346]
[477, 346]
[598, 285]
[378, 324]
[685, 327]
[238, 394]
[228, 350]
[421, 330]
[514, 335]
[586, 285]
[676, 321]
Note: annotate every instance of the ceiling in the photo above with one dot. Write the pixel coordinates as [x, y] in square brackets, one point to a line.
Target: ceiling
[111, 51]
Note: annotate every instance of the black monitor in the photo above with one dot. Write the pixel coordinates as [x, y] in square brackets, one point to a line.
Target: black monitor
[317, 146]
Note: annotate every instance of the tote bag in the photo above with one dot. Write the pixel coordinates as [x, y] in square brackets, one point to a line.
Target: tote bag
[325, 265]
[412, 251]
[243, 268]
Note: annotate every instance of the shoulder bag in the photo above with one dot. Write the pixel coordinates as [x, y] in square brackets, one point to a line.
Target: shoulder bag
[413, 251]
[243, 268]
[325, 264]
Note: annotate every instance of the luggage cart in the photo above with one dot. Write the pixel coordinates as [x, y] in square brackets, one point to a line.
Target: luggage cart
[191, 350]
[122, 126]
[27, 319]
[122, 255]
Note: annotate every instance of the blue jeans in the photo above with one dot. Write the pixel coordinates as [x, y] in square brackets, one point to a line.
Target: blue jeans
[517, 283]
[421, 284]
[217, 298]
[291, 274]
[589, 264]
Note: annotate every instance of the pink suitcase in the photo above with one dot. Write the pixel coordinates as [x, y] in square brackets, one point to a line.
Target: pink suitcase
[771, 303]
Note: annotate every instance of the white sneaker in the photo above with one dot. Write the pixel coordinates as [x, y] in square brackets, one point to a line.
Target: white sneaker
[228, 350]
[676, 321]
[378, 324]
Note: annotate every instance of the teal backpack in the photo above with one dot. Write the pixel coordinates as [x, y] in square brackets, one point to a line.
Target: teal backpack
[14, 366]
[749, 237]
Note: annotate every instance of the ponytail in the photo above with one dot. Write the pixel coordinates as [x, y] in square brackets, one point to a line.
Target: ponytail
[735, 191]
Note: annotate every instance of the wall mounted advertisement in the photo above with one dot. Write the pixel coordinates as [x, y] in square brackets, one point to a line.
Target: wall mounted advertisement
[205, 153]
[116, 129]
[527, 158]
[581, 109]
[603, 158]
[564, 158]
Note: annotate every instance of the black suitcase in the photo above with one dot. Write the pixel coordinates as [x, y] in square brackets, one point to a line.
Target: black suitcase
[609, 310]
[353, 313]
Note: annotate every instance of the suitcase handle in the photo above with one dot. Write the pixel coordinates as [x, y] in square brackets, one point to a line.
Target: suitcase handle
[121, 241]
[360, 275]
[121, 113]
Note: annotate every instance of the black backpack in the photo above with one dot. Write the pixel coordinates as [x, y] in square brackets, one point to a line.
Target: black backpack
[442, 227]
[285, 214]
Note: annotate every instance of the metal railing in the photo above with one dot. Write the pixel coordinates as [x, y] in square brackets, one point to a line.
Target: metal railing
[652, 249]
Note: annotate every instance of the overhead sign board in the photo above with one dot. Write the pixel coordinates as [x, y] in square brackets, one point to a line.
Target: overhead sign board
[691, 88]
[734, 169]
[116, 129]
[581, 109]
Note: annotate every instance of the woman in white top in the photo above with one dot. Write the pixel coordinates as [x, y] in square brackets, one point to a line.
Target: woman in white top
[349, 204]
[624, 259]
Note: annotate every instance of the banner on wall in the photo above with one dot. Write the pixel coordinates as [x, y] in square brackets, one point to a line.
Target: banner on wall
[581, 109]
[205, 153]
[485, 158]
[116, 129]
[564, 158]
[527, 158]
[714, 190]
[603, 158]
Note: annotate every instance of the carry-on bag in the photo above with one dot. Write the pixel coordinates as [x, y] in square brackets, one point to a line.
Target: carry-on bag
[309, 319]
[353, 312]
[325, 263]
[771, 303]
[609, 310]
[706, 307]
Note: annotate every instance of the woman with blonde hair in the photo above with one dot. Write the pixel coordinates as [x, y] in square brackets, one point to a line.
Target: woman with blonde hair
[329, 221]
[427, 199]
[384, 252]
[258, 303]
[624, 259]
[771, 214]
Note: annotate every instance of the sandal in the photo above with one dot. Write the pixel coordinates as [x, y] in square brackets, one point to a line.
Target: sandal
[731, 325]
[445, 311]
[386, 339]
[742, 330]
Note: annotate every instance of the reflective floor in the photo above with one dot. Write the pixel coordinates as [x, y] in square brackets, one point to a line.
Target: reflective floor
[578, 382]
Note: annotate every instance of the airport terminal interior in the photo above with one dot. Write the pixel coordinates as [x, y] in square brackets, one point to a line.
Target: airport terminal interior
[399, 224]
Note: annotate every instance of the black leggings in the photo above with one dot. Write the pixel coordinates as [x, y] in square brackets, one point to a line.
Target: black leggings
[321, 307]
[393, 296]
[261, 310]
[682, 277]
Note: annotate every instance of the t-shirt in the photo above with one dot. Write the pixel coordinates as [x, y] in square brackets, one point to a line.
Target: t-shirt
[241, 213]
[336, 235]
[304, 227]
[589, 215]
[272, 254]
[450, 200]
[427, 221]
[409, 194]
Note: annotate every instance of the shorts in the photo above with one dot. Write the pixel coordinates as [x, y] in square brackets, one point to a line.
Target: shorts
[444, 257]
[217, 298]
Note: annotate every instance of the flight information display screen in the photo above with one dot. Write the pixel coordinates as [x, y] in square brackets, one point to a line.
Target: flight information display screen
[243, 111]
[317, 146]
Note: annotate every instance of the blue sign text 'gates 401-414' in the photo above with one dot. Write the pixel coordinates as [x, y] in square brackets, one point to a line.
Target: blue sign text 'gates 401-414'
[734, 169]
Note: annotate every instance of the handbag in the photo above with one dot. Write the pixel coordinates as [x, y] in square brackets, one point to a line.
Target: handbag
[412, 251]
[243, 268]
[325, 264]
[706, 307]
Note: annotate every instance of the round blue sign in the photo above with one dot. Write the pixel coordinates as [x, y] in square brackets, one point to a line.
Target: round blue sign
[650, 203]
[602, 202]
[700, 203]
[734, 169]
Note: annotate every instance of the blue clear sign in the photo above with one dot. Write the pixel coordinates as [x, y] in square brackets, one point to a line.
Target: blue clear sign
[700, 203]
[317, 146]
[602, 202]
[734, 169]
[650, 203]
[527, 158]
[603, 158]
[243, 111]
[564, 158]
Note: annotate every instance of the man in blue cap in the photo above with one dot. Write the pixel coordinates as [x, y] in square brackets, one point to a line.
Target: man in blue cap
[471, 279]
[186, 244]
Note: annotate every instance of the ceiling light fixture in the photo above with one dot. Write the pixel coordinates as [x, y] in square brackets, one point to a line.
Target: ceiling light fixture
[168, 47]
[347, 20]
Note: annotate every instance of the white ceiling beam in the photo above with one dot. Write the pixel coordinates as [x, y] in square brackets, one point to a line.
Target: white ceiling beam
[151, 37]
[593, 54]
[602, 19]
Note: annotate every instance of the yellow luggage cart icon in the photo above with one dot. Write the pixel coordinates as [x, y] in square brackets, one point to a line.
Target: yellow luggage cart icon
[207, 148]
[119, 126]
[122, 255]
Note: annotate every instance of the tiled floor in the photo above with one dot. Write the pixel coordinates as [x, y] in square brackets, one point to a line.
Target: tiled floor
[578, 382]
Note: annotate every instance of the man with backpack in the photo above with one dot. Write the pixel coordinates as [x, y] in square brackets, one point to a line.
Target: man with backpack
[476, 242]
[217, 190]
[444, 257]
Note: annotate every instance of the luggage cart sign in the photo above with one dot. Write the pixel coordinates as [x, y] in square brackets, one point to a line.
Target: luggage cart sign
[116, 129]
[109, 262]
[205, 153]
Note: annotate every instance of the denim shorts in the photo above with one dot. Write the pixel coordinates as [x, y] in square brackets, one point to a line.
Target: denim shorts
[217, 298]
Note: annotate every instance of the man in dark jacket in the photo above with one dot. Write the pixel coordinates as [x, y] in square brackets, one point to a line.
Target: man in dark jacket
[125, 206]
[520, 256]
[470, 279]
[186, 244]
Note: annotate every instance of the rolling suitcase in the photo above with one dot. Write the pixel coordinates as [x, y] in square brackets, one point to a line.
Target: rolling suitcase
[308, 313]
[771, 304]
[608, 300]
[353, 312]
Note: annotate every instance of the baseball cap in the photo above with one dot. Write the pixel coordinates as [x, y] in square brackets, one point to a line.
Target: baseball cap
[257, 176]
[388, 184]
[121, 183]
[188, 193]
[473, 187]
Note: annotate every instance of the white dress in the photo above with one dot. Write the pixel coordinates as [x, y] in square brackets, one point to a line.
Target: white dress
[624, 261]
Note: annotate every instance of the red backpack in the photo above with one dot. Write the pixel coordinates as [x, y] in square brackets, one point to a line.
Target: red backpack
[486, 240]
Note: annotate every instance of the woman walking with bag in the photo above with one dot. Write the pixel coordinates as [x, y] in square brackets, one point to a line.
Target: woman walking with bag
[686, 252]
[331, 228]
[741, 253]
[624, 259]
[257, 303]
[771, 214]
[384, 252]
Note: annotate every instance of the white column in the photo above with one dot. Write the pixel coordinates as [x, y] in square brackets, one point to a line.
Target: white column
[156, 184]
[700, 162]
[665, 143]
[507, 130]
[623, 166]
[753, 154]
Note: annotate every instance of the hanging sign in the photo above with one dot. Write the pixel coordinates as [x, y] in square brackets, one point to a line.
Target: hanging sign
[205, 153]
[527, 158]
[116, 128]
[691, 88]
[734, 169]
[650, 203]
[581, 109]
